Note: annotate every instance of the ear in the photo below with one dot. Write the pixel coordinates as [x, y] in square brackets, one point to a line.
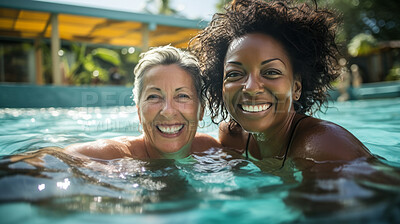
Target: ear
[297, 87]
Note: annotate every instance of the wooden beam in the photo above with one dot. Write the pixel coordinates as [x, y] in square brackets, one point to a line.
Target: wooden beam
[38, 62]
[55, 47]
[2, 68]
[145, 37]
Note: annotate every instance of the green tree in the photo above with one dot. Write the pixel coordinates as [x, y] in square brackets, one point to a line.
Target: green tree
[163, 7]
[394, 73]
[361, 45]
[380, 18]
[86, 67]
[220, 5]
[166, 9]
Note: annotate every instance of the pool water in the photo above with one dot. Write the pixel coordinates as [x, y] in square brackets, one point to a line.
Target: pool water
[47, 186]
[376, 123]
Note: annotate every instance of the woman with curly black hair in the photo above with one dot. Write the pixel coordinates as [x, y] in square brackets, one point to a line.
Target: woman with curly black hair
[266, 65]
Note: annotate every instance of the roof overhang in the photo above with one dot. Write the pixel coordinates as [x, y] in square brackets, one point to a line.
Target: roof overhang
[31, 19]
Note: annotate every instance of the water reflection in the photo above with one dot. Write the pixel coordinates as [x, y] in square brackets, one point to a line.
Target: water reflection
[213, 184]
[347, 191]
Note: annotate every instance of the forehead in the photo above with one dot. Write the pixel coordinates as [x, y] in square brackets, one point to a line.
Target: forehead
[256, 44]
[167, 76]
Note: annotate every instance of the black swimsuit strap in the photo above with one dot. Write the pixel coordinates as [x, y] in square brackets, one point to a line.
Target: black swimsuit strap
[247, 146]
[288, 147]
[291, 138]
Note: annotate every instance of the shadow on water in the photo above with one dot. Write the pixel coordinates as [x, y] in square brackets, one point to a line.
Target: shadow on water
[358, 191]
[213, 186]
[51, 179]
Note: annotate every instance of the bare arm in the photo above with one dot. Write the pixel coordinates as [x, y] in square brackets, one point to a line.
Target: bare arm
[203, 142]
[234, 139]
[101, 149]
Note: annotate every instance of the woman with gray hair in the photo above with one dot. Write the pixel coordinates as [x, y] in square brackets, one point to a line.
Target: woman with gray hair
[168, 98]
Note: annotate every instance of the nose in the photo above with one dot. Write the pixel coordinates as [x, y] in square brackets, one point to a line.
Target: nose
[253, 85]
[168, 110]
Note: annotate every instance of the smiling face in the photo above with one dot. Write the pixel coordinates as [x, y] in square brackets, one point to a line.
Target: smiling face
[259, 85]
[169, 111]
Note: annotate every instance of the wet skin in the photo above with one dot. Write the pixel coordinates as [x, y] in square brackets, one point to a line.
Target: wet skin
[169, 111]
[258, 83]
[259, 89]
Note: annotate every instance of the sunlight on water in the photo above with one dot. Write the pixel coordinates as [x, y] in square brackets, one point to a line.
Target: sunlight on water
[202, 181]
[47, 186]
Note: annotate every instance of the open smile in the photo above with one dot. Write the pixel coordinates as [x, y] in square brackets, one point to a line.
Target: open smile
[170, 129]
[255, 108]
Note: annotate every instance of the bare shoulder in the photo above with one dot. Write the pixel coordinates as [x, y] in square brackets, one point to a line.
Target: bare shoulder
[101, 149]
[323, 140]
[135, 146]
[203, 141]
[233, 137]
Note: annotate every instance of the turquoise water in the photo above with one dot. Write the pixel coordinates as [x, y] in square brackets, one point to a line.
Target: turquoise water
[211, 187]
[376, 123]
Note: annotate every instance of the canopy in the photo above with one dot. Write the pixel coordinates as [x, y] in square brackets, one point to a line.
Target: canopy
[32, 19]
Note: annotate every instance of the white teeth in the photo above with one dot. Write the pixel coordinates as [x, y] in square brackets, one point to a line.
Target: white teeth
[170, 129]
[256, 108]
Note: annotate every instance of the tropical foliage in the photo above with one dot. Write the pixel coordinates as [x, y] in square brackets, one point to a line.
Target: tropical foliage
[394, 73]
[376, 17]
[361, 45]
[89, 67]
[161, 7]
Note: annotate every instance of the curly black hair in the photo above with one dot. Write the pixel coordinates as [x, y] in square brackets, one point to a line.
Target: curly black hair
[306, 33]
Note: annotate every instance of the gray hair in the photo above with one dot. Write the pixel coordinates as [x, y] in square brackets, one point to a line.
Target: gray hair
[166, 55]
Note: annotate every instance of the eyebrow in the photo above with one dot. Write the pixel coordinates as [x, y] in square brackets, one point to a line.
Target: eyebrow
[159, 90]
[154, 88]
[262, 63]
[180, 88]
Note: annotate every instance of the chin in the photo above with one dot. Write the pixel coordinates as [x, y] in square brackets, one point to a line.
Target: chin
[249, 128]
[252, 125]
[170, 149]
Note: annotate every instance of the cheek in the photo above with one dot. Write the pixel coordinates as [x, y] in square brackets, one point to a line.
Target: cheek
[224, 93]
[147, 112]
[283, 90]
[192, 114]
[191, 111]
[228, 91]
[226, 100]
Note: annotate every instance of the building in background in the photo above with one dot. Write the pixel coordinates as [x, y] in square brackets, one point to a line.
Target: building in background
[35, 34]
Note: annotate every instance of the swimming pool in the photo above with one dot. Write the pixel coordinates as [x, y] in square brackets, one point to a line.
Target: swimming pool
[210, 187]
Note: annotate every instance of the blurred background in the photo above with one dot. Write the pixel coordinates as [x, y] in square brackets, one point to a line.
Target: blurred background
[98, 42]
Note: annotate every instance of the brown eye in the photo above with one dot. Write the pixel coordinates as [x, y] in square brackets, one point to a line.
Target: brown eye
[271, 73]
[233, 75]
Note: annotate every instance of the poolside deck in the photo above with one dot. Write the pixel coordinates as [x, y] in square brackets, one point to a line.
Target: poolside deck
[34, 96]
[372, 91]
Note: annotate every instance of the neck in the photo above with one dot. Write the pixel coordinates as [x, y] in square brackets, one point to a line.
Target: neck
[273, 143]
[154, 153]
